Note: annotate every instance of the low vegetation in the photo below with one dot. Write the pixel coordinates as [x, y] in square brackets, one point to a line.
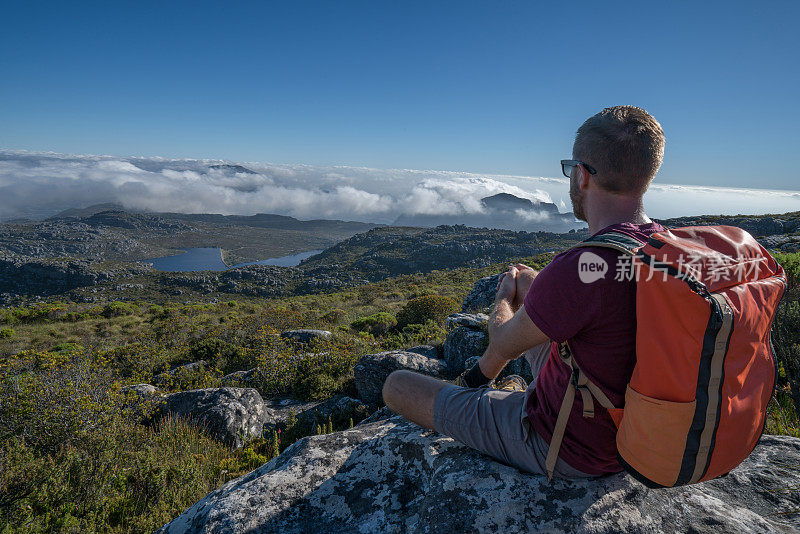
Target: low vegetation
[74, 456]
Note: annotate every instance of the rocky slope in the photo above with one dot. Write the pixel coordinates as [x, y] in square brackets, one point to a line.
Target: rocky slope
[389, 475]
[384, 252]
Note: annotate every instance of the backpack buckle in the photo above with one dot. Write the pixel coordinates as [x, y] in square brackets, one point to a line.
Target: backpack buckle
[575, 378]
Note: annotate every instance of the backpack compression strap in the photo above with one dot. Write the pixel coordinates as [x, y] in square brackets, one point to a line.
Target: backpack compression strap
[579, 381]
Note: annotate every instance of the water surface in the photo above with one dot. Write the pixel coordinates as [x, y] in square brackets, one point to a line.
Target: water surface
[210, 259]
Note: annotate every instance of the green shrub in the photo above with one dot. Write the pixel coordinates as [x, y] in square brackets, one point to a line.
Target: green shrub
[334, 317]
[376, 324]
[429, 307]
[223, 355]
[791, 264]
[118, 309]
[38, 312]
[6, 333]
[786, 340]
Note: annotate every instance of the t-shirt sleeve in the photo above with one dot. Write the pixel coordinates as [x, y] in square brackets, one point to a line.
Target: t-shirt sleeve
[559, 302]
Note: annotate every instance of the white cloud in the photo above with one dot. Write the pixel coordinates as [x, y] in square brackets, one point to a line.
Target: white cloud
[41, 184]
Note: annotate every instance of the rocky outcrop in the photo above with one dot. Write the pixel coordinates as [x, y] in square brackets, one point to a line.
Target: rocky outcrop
[339, 410]
[472, 320]
[305, 335]
[231, 415]
[390, 475]
[481, 296]
[385, 252]
[372, 369]
[464, 343]
[20, 275]
[278, 411]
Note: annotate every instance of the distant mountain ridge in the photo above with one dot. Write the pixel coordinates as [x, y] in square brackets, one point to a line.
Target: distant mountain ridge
[113, 214]
[502, 210]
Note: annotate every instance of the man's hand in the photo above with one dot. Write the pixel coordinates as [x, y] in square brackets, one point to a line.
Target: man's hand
[522, 277]
[525, 276]
[507, 286]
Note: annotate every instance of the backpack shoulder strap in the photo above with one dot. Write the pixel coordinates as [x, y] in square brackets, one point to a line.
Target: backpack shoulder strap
[615, 240]
[579, 382]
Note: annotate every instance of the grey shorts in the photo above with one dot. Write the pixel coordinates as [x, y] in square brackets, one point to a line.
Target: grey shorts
[496, 423]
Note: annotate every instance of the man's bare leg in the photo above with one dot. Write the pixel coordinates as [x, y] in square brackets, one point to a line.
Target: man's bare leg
[412, 395]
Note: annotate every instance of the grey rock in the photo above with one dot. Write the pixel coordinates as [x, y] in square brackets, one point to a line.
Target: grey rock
[142, 390]
[276, 411]
[426, 350]
[241, 378]
[472, 320]
[481, 297]
[372, 369]
[463, 343]
[392, 476]
[230, 415]
[339, 409]
[305, 335]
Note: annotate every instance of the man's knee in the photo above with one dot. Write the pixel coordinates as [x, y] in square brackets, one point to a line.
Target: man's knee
[393, 387]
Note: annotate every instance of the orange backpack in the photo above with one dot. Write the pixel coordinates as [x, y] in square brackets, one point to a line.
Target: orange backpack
[696, 403]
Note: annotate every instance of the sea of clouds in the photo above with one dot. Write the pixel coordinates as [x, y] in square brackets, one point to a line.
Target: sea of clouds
[38, 185]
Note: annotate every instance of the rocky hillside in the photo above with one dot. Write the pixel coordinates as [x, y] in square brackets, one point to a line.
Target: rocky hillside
[389, 475]
[97, 233]
[384, 252]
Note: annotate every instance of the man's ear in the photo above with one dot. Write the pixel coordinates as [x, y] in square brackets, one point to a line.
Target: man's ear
[583, 178]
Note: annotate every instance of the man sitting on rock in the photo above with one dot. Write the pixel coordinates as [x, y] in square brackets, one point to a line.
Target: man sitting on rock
[616, 156]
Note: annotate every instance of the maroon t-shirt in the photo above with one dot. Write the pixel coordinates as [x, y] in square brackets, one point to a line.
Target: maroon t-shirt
[597, 314]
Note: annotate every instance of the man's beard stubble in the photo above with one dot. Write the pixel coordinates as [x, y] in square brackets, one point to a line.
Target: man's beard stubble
[577, 200]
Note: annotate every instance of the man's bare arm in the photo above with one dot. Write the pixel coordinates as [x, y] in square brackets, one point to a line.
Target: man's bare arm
[510, 333]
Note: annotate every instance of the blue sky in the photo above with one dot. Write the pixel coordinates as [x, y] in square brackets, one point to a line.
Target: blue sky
[485, 87]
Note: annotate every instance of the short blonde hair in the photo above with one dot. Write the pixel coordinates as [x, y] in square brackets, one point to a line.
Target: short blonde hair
[625, 144]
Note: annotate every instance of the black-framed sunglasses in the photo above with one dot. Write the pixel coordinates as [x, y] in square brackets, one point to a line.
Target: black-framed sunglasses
[568, 164]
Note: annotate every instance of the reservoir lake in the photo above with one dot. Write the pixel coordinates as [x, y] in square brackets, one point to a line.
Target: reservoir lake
[210, 259]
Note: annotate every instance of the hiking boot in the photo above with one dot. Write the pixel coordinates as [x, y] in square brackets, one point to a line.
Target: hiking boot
[460, 382]
[507, 383]
[510, 383]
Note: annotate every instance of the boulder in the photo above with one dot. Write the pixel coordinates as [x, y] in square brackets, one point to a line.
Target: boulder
[390, 475]
[276, 411]
[372, 369]
[241, 378]
[305, 335]
[481, 297]
[339, 409]
[143, 391]
[426, 350]
[462, 344]
[478, 321]
[231, 415]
